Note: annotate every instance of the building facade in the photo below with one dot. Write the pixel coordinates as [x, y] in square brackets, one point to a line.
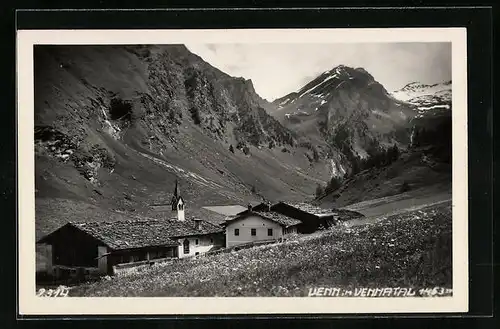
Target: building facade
[253, 226]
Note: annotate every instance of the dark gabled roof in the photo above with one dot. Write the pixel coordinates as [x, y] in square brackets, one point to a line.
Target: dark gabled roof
[309, 208]
[130, 234]
[269, 215]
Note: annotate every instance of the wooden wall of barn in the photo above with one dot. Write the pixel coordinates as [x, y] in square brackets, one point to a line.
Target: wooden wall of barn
[309, 223]
[74, 248]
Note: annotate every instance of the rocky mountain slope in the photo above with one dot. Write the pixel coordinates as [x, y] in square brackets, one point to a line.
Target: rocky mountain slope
[426, 98]
[347, 110]
[433, 105]
[116, 125]
[423, 167]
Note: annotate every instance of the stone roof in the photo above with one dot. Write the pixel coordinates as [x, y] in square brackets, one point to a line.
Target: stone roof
[130, 234]
[309, 208]
[279, 218]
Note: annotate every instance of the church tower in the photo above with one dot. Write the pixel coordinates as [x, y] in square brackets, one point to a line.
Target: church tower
[178, 202]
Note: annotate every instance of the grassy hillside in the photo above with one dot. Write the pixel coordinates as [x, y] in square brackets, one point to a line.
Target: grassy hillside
[417, 171]
[406, 250]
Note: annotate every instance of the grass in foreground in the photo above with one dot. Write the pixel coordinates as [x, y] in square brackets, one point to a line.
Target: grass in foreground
[413, 249]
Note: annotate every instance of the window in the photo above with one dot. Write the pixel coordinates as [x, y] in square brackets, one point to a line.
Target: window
[269, 232]
[211, 240]
[186, 246]
[253, 232]
[236, 231]
[181, 206]
[196, 241]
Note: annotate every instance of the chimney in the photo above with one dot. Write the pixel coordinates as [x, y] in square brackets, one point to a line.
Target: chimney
[197, 223]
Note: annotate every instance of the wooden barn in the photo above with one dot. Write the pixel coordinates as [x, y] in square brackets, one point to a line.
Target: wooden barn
[312, 217]
[99, 248]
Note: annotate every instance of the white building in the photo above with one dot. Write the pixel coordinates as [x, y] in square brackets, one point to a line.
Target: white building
[257, 226]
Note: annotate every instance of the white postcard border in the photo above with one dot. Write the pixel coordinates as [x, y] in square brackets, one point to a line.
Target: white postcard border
[30, 304]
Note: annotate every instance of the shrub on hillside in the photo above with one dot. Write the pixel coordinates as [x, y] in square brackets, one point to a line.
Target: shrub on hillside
[319, 190]
[315, 154]
[380, 157]
[323, 127]
[195, 115]
[102, 155]
[405, 187]
[120, 109]
[173, 117]
[355, 167]
[305, 143]
[333, 184]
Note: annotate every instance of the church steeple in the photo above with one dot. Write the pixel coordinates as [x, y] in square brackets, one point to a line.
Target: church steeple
[178, 202]
[176, 196]
[177, 191]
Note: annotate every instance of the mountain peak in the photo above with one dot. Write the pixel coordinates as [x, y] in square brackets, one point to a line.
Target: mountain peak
[339, 77]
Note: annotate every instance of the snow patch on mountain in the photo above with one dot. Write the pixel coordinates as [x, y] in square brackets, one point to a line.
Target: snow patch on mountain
[112, 129]
[382, 114]
[337, 169]
[426, 108]
[317, 85]
[416, 92]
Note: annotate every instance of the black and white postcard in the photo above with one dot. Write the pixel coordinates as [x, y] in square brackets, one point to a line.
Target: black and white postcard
[206, 171]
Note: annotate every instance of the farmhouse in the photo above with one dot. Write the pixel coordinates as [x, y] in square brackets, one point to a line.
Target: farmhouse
[256, 226]
[87, 248]
[311, 218]
[111, 247]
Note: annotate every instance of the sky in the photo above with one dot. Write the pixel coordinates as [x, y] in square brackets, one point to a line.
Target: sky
[279, 69]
